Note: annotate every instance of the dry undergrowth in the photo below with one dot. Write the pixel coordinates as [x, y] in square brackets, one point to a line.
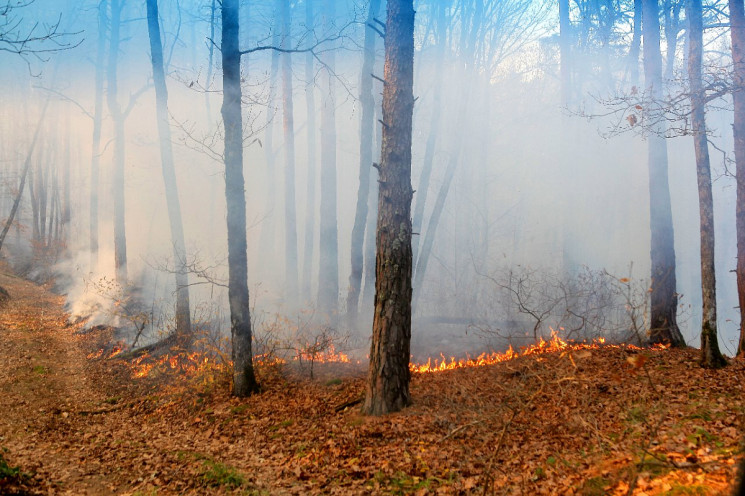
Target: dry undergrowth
[592, 422]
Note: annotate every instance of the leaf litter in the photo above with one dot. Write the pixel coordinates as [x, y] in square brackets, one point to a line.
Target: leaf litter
[610, 420]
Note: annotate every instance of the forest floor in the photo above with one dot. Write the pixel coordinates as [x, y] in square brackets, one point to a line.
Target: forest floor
[581, 421]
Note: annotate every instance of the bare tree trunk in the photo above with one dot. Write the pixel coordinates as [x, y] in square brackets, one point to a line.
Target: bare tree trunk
[291, 258]
[183, 317]
[710, 354]
[664, 305]
[368, 294]
[26, 167]
[737, 30]
[244, 379]
[328, 278]
[268, 226]
[367, 128]
[120, 237]
[388, 375]
[210, 63]
[96, 141]
[434, 132]
[310, 204]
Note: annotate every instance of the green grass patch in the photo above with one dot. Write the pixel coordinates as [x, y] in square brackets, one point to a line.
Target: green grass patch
[40, 370]
[217, 474]
[332, 382]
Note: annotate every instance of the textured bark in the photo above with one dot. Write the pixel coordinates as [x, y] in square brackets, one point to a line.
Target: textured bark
[244, 380]
[710, 354]
[291, 262]
[367, 128]
[328, 278]
[388, 375]
[664, 299]
[183, 316]
[737, 21]
[117, 116]
[310, 204]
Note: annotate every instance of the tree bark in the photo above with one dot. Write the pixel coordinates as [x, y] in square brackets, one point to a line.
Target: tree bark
[328, 278]
[737, 30]
[183, 317]
[710, 354]
[96, 140]
[388, 375]
[367, 128]
[291, 258]
[244, 379]
[664, 299]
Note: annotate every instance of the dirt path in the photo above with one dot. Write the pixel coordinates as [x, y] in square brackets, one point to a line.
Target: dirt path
[44, 381]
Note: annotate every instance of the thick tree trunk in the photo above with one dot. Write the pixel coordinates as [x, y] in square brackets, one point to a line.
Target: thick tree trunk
[710, 355]
[664, 299]
[244, 380]
[328, 278]
[183, 317]
[388, 375]
[367, 128]
[291, 259]
[310, 202]
[737, 21]
[120, 237]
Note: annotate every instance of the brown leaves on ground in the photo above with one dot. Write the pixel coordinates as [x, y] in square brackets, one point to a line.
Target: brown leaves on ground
[590, 422]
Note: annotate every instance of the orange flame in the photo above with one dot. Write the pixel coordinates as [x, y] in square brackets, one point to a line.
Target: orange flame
[554, 344]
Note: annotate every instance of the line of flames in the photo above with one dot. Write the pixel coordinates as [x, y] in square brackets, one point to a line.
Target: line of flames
[192, 362]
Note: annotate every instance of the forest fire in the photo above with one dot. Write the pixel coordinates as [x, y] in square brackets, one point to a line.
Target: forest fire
[554, 344]
[179, 362]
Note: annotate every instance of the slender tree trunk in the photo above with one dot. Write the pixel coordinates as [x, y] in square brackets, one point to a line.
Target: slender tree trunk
[310, 204]
[268, 226]
[210, 63]
[120, 237]
[710, 354]
[244, 380]
[367, 128]
[183, 317]
[26, 167]
[664, 304]
[388, 375]
[328, 278]
[291, 258]
[434, 132]
[737, 21]
[96, 141]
